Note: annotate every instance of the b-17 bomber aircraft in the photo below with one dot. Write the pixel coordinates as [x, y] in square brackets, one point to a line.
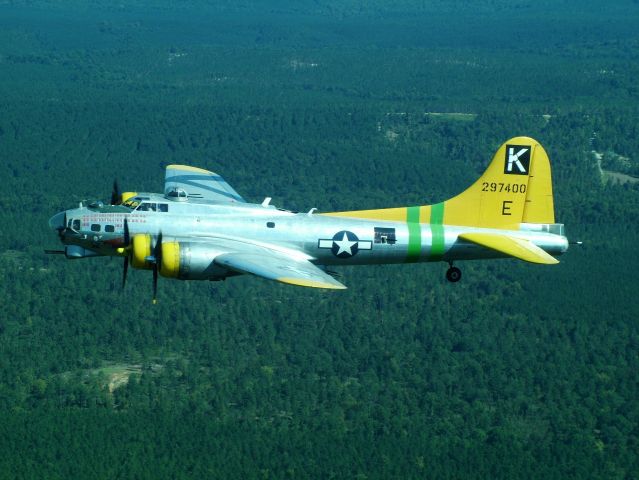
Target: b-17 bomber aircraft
[200, 228]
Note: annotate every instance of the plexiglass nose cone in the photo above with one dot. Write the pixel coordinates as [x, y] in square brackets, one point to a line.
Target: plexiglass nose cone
[57, 221]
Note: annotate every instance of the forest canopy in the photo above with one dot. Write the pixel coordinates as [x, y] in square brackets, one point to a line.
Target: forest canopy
[517, 371]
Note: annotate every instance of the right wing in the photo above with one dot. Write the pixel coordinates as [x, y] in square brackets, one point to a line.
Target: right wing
[276, 266]
[199, 184]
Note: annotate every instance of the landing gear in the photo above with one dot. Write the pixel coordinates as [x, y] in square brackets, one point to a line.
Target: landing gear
[453, 274]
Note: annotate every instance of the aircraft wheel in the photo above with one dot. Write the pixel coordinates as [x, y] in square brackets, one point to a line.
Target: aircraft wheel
[453, 274]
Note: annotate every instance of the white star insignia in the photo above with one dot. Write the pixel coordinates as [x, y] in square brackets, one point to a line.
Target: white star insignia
[345, 245]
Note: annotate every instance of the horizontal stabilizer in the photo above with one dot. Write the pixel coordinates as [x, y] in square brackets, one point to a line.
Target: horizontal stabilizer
[512, 246]
[274, 266]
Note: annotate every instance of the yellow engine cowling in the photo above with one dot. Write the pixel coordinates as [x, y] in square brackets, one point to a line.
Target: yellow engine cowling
[141, 249]
[170, 266]
[181, 260]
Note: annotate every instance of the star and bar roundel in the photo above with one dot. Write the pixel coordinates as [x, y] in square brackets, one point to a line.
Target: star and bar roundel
[345, 244]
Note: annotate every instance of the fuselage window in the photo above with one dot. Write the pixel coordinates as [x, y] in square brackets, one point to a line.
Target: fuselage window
[76, 224]
[95, 227]
[385, 235]
[270, 224]
[109, 228]
[163, 207]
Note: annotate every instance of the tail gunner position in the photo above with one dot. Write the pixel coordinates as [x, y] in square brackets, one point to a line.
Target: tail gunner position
[200, 228]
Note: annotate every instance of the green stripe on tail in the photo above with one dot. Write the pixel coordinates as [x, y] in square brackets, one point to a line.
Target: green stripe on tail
[437, 231]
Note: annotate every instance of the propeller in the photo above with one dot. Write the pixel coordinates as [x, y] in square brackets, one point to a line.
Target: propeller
[157, 255]
[124, 272]
[155, 258]
[116, 195]
[127, 241]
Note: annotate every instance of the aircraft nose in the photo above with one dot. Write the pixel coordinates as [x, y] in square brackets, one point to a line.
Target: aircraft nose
[58, 221]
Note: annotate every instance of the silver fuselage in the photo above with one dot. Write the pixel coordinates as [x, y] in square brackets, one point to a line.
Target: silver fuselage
[322, 239]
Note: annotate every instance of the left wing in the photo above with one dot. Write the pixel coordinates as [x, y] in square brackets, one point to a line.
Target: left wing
[512, 246]
[276, 266]
[199, 184]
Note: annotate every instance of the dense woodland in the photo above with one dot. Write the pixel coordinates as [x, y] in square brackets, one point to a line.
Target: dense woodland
[518, 371]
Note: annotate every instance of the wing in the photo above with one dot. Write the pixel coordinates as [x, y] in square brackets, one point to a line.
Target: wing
[281, 268]
[199, 184]
[512, 246]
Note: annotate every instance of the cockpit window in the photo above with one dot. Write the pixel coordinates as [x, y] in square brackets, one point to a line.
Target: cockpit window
[139, 204]
[76, 224]
[153, 207]
[147, 207]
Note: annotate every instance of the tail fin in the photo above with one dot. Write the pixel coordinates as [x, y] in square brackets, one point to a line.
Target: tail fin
[515, 188]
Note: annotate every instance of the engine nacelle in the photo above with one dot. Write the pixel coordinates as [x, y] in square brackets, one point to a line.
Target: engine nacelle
[73, 252]
[190, 261]
[140, 250]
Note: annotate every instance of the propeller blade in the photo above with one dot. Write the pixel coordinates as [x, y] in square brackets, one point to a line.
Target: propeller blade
[158, 250]
[54, 252]
[124, 272]
[127, 235]
[155, 283]
[127, 242]
[116, 196]
[157, 254]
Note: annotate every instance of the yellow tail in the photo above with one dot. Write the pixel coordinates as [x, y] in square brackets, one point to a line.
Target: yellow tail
[515, 188]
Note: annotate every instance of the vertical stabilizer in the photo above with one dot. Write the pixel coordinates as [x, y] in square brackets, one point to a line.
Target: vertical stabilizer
[516, 188]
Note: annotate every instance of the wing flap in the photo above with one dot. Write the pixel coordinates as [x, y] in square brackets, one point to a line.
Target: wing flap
[280, 268]
[512, 246]
[199, 184]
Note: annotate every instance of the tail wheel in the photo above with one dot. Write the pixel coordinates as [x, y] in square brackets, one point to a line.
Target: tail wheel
[453, 274]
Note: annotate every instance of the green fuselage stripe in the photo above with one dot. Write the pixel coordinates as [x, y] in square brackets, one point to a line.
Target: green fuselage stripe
[414, 234]
[437, 229]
